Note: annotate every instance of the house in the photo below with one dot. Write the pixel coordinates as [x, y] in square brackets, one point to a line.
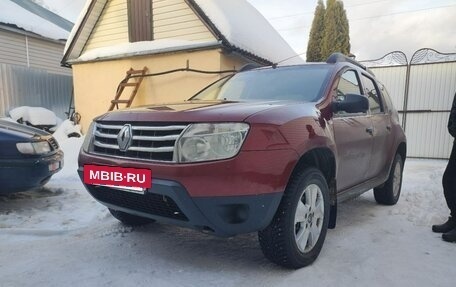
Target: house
[112, 36]
[30, 54]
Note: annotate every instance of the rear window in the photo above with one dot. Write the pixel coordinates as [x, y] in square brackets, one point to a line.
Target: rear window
[288, 83]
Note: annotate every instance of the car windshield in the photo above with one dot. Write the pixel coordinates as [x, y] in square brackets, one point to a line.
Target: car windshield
[302, 83]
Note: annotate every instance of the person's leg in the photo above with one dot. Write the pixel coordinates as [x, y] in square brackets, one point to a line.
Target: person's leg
[449, 182]
[449, 190]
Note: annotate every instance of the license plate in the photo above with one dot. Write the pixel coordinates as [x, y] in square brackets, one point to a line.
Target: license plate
[129, 179]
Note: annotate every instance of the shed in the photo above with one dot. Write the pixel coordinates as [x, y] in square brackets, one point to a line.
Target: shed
[112, 36]
[30, 54]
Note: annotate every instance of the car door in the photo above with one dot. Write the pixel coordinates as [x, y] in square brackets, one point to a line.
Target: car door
[352, 136]
[381, 129]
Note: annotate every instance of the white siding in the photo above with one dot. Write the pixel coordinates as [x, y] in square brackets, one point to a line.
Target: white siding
[432, 87]
[42, 54]
[12, 48]
[47, 56]
[427, 135]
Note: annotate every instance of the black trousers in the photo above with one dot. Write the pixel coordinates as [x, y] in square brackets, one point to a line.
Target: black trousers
[449, 182]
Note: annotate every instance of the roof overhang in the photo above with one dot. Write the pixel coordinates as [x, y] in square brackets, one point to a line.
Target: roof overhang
[86, 23]
[10, 28]
[159, 51]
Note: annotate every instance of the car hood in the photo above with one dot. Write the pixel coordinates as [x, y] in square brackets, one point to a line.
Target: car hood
[13, 129]
[194, 111]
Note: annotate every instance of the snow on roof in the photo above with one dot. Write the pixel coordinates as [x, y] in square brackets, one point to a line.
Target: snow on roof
[77, 24]
[238, 22]
[68, 9]
[16, 15]
[245, 28]
[143, 48]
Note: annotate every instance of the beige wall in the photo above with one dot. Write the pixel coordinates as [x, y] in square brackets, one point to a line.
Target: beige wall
[95, 83]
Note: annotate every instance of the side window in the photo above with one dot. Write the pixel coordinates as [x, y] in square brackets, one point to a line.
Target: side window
[372, 93]
[348, 84]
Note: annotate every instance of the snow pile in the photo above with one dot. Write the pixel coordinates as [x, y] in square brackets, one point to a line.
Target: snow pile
[65, 129]
[36, 116]
[70, 148]
[244, 27]
[142, 48]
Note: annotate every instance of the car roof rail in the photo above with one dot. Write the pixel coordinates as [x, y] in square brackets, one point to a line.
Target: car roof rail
[339, 57]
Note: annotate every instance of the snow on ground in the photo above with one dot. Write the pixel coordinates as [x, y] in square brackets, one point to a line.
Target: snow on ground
[59, 236]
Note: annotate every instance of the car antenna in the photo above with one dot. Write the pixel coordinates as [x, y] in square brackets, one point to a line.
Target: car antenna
[274, 65]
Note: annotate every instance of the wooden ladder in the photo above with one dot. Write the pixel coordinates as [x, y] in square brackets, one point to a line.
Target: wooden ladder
[136, 75]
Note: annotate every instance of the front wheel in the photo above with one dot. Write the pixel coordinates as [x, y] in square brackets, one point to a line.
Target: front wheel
[389, 192]
[296, 234]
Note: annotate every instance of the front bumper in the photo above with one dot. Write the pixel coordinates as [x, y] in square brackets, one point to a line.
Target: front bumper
[23, 174]
[169, 202]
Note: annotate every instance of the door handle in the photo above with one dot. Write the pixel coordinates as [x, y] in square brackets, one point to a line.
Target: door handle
[370, 130]
[388, 128]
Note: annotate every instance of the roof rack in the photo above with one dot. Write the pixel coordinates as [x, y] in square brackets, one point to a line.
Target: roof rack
[339, 57]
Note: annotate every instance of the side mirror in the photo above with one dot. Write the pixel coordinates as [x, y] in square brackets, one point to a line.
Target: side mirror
[351, 103]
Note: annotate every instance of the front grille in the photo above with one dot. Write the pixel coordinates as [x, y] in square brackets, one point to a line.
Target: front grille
[150, 141]
[150, 203]
[53, 143]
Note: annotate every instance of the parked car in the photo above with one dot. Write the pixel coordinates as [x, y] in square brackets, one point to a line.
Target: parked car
[28, 157]
[272, 150]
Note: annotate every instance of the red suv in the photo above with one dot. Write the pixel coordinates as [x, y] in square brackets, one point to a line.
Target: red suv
[271, 150]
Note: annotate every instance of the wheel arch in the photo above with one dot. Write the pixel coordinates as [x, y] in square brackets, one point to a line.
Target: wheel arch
[402, 151]
[323, 159]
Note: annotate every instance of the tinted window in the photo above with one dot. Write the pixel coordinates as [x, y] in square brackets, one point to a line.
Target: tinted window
[370, 90]
[288, 83]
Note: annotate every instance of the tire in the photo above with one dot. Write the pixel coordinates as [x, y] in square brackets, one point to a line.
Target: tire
[390, 191]
[295, 236]
[129, 219]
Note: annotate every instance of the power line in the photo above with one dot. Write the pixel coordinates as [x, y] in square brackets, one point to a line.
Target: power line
[311, 12]
[378, 16]
[404, 12]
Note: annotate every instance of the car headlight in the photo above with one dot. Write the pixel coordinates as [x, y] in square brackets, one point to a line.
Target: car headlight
[204, 142]
[88, 137]
[41, 147]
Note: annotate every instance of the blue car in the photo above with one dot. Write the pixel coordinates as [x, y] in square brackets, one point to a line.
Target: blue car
[28, 157]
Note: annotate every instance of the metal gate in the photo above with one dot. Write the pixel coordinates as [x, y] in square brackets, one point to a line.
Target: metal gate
[422, 91]
[22, 86]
